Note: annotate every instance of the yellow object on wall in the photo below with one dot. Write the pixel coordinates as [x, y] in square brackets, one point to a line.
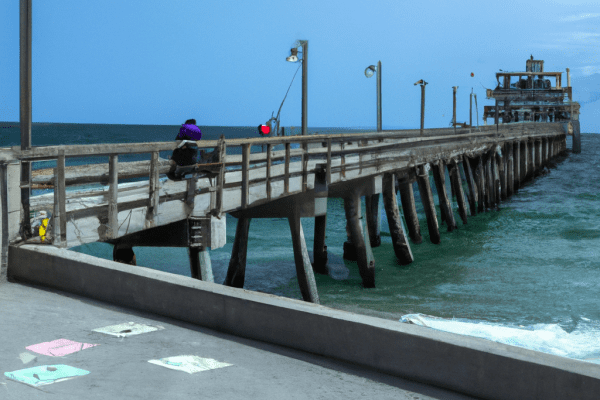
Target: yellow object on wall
[43, 229]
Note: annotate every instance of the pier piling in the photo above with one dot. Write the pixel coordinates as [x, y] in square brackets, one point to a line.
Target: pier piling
[510, 170]
[237, 264]
[439, 176]
[517, 165]
[399, 241]
[455, 181]
[373, 219]
[319, 247]
[473, 195]
[407, 198]
[200, 265]
[366, 267]
[428, 204]
[304, 271]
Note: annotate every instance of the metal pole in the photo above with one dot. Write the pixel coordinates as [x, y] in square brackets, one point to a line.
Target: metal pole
[454, 107]
[25, 109]
[304, 86]
[471, 108]
[379, 96]
[422, 107]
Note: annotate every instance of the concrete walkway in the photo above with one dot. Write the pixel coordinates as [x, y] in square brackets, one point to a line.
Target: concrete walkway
[119, 367]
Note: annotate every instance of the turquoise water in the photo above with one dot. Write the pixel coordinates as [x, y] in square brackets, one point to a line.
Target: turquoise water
[532, 261]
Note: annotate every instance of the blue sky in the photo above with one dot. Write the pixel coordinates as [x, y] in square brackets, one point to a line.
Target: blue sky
[223, 62]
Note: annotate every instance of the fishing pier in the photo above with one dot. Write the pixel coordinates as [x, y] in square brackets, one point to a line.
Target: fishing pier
[286, 177]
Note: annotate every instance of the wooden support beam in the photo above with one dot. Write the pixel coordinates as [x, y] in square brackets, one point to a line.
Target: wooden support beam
[439, 176]
[237, 264]
[268, 180]
[286, 177]
[538, 155]
[200, 264]
[113, 189]
[59, 223]
[399, 241]
[456, 183]
[428, 204]
[304, 271]
[319, 246]
[473, 195]
[510, 169]
[409, 208]
[366, 267]
[531, 159]
[245, 178]
[373, 219]
[154, 192]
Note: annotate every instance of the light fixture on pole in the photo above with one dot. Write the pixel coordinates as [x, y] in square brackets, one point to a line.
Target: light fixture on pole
[422, 83]
[369, 72]
[293, 57]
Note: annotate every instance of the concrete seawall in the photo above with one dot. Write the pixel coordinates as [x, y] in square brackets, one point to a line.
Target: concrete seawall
[472, 366]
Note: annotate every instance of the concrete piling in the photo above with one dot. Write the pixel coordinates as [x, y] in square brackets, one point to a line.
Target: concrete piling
[304, 271]
[439, 176]
[428, 204]
[456, 183]
[200, 265]
[373, 219]
[399, 241]
[366, 267]
[479, 171]
[530, 159]
[320, 249]
[407, 198]
[237, 264]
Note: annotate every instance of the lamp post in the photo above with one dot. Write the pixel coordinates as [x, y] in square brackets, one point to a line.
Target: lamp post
[25, 109]
[422, 83]
[294, 58]
[369, 72]
[454, 107]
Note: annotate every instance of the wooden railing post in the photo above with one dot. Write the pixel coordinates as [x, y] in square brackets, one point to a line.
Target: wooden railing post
[328, 172]
[154, 191]
[113, 188]
[59, 219]
[286, 178]
[268, 182]
[245, 178]
[221, 177]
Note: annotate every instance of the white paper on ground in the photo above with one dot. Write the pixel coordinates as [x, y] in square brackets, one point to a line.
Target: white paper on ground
[127, 329]
[189, 364]
[26, 357]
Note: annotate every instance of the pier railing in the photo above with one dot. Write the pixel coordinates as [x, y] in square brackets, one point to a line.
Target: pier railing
[280, 159]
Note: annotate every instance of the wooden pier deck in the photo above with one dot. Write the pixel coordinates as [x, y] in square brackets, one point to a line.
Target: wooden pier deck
[291, 177]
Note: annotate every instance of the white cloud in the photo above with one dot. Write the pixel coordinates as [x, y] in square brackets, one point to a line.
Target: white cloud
[579, 17]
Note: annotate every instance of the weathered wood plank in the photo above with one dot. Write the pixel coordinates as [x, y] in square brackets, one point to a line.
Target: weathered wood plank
[268, 177]
[286, 185]
[60, 199]
[153, 191]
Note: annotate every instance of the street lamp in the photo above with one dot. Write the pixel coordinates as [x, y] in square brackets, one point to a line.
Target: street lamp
[294, 58]
[369, 72]
[422, 83]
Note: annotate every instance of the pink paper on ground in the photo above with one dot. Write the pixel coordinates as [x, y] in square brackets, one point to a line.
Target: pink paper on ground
[59, 347]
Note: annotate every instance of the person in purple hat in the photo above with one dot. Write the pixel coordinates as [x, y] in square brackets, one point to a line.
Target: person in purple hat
[189, 131]
[186, 152]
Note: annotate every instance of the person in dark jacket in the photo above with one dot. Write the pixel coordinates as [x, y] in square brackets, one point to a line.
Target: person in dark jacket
[186, 152]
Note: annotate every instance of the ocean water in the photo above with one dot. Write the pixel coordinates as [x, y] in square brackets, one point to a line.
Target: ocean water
[531, 264]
